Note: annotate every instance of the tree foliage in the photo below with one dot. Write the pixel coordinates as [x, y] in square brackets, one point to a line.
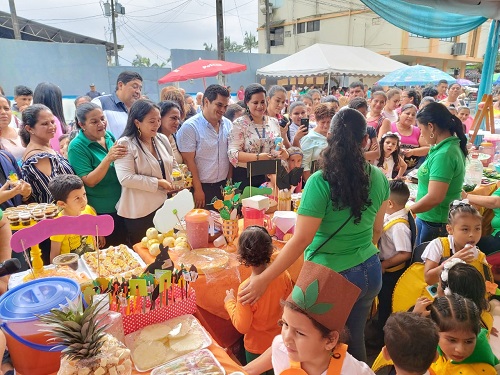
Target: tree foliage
[230, 46]
[141, 61]
[208, 47]
[250, 42]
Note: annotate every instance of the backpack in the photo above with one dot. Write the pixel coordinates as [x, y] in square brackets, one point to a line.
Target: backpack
[410, 223]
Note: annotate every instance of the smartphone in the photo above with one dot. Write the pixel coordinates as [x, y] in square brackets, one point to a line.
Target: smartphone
[304, 122]
[283, 122]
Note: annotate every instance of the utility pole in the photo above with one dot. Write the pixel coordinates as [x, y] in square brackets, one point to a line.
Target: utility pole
[268, 28]
[113, 26]
[15, 22]
[221, 55]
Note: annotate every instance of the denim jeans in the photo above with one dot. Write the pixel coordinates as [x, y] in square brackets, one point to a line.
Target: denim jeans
[368, 277]
[427, 231]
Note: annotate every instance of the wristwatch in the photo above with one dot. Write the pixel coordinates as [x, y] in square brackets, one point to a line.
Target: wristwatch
[258, 157]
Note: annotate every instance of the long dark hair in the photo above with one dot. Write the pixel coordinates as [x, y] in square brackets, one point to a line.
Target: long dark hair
[344, 165]
[440, 116]
[395, 154]
[50, 95]
[138, 111]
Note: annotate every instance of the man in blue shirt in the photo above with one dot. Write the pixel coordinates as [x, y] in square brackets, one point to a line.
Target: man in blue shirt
[115, 106]
[202, 140]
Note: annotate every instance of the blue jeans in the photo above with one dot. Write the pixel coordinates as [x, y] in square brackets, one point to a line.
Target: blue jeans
[367, 276]
[427, 231]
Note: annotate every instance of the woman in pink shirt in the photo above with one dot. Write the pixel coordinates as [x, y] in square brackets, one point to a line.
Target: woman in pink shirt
[50, 95]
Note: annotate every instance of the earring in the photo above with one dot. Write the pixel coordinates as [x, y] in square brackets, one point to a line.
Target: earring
[431, 136]
[139, 131]
[247, 110]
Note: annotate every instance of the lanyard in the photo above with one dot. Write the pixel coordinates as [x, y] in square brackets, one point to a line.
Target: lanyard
[263, 132]
[160, 160]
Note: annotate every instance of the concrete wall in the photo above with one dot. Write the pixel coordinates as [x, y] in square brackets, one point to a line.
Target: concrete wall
[70, 66]
[253, 61]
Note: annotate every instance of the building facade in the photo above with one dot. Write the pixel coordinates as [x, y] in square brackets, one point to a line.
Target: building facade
[297, 24]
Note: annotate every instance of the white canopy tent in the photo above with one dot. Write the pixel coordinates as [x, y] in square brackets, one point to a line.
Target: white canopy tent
[329, 59]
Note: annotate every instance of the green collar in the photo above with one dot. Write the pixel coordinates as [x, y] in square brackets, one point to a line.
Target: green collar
[482, 351]
[452, 139]
[86, 142]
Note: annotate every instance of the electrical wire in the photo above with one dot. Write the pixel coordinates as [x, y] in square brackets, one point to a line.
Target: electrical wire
[131, 33]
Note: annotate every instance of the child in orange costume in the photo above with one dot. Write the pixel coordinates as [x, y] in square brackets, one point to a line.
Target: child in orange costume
[258, 321]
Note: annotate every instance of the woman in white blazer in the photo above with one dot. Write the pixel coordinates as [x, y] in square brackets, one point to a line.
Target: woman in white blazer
[145, 173]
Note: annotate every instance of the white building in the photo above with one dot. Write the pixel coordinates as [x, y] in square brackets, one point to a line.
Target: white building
[297, 24]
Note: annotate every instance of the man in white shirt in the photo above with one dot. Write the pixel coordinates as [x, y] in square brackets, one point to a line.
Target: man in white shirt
[202, 141]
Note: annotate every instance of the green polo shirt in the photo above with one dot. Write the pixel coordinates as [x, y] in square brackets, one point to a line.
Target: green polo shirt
[444, 163]
[352, 245]
[84, 156]
[495, 222]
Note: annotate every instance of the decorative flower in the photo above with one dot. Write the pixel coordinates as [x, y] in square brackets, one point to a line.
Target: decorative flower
[491, 287]
[228, 208]
[218, 204]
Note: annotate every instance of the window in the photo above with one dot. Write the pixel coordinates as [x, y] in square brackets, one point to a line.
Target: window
[301, 28]
[451, 39]
[313, 26]
[278, 36]
[417, 36]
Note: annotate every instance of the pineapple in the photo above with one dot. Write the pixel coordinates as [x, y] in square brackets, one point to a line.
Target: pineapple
[76, 330]
[86, 345]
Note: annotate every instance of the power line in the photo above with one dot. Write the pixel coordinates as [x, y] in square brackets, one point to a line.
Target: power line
[131, 33]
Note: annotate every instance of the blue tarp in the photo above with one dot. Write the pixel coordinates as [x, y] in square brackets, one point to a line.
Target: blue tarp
[423, 20]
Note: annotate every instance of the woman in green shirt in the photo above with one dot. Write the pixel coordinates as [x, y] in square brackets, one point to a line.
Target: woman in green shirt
[339, 220]
[92, 154]
[441, 175]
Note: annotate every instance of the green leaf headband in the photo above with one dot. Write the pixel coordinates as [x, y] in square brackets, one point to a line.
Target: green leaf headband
[307, 301]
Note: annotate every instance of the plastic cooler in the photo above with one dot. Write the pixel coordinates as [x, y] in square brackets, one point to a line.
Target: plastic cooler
[19, 309]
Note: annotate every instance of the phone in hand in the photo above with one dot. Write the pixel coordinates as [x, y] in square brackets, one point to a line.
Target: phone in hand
[304, 123]
[283, 122]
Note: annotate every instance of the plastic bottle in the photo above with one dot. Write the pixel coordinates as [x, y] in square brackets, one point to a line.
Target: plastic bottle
[473, 171]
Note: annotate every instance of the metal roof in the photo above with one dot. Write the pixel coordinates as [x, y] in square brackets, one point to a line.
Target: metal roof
[38, 32]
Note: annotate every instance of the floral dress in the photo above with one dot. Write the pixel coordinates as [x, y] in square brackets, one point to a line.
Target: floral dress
[250, 137]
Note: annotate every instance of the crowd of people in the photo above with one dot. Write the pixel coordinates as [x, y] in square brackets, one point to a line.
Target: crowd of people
[352, 150]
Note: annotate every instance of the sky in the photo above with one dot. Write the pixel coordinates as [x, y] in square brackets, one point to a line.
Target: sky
[149, 28]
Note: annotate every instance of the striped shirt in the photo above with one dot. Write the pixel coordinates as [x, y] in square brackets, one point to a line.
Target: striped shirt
[38, 180]
[115, 111]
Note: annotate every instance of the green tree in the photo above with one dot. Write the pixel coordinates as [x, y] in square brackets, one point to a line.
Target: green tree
[250, 42]
[208, 47]
[141, 61]
[230, 46]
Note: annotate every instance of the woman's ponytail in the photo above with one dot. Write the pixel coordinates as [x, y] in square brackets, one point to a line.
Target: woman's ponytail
[458, 129]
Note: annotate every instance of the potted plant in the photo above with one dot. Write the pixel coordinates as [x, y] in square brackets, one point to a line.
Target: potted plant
[228, 210]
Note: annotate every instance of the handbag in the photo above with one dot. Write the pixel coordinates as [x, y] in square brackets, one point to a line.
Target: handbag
[329, 238]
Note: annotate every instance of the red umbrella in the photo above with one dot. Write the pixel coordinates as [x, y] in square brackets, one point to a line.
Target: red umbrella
[202, 69]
